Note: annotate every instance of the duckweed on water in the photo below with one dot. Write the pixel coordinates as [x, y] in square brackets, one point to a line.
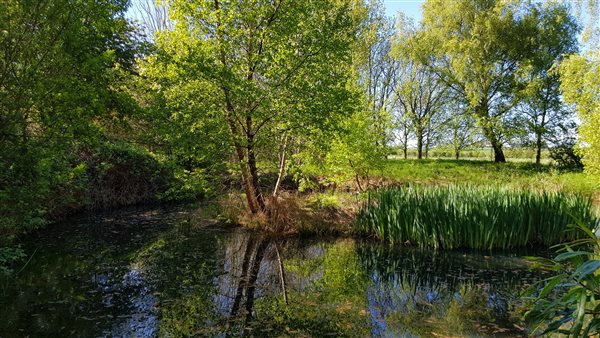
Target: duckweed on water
[471, 217]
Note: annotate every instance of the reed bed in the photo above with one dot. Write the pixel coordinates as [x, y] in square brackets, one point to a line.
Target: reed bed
[449, 217]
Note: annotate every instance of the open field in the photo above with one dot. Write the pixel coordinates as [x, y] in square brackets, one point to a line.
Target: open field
[513, 174]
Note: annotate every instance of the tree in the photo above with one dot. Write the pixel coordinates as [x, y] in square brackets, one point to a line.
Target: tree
[260, 64]
[580, 86]
[376, 68]
[419, 92]
[476, 48]
[542, 111]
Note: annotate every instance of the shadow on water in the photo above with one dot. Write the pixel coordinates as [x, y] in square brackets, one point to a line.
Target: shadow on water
[149, 273]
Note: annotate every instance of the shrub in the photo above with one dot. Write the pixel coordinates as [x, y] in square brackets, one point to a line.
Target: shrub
[565, 156]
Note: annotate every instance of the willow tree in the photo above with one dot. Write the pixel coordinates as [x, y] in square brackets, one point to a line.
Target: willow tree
[476, 48]
[256, 65]
[541, 109]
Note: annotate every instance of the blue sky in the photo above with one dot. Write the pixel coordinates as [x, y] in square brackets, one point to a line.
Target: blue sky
[411, 8]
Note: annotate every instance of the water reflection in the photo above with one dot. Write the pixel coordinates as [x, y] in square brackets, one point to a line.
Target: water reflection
[136, 274]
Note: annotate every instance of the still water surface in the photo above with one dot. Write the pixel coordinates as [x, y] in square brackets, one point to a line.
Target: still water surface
[147, 273]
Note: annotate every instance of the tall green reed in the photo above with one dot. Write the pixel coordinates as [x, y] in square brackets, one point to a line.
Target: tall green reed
[471, 217]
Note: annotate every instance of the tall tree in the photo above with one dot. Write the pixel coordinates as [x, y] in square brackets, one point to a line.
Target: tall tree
[259, 64]
[376, 68]
[419, 93]
[542, 111]
[476, 48]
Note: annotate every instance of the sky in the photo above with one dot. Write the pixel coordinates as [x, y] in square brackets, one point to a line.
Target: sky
[411, 8]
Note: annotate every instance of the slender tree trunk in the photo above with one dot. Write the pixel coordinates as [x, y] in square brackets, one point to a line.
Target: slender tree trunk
[538, 153]
[281, 166]
[419, 133]
[360, 188]
[428, 140]
[233, 127]
[405, 144]
[456, 153]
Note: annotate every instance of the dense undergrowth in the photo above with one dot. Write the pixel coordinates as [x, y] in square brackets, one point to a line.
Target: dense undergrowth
[471, 217]
[110, 175]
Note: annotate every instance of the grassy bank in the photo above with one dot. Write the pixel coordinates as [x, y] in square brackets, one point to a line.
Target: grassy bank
[471, 216]
[513, 174]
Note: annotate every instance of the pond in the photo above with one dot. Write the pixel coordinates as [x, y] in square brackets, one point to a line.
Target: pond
[147, 273]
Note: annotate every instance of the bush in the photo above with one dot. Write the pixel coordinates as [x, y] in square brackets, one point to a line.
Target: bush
[565, 156]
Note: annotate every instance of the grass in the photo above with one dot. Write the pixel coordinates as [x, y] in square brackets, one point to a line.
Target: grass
[477, 217]
[484, 173]
[480, 154]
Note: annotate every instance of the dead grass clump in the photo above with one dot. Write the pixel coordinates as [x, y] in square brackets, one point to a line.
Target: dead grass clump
[295, 213]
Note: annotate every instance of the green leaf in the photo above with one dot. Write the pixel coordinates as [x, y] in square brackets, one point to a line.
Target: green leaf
[586, 269]
[567, 255]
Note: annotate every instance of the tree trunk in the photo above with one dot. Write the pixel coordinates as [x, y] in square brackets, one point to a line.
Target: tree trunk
[254, 176]
[419, 135]
[488, 132]
[498, 153]
[281, 166]
[241, 157]
[456, 153]
[428, 139]
[538, 153]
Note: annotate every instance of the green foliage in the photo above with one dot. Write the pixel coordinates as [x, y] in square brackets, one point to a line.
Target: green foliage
[565, 156]
[8, 257]
[568, 303]
[58, 60]
[356, 152]
[580, 85]
[471, 217]
[323, 201]
[483, 49]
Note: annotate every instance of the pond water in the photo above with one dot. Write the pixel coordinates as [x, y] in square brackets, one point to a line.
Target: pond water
[145, 273]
